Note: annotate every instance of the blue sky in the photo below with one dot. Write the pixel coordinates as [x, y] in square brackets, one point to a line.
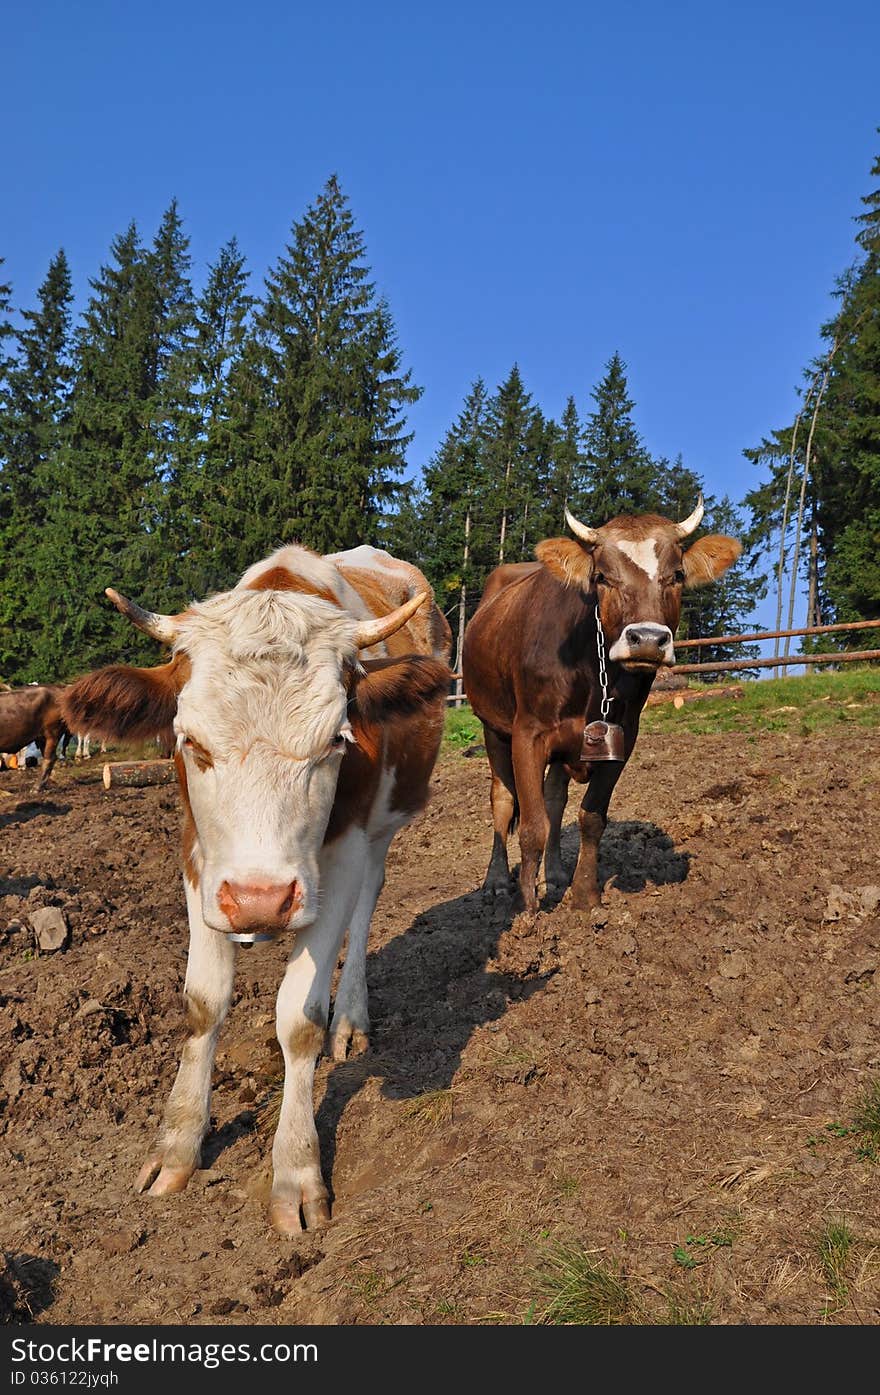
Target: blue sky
[536, 183]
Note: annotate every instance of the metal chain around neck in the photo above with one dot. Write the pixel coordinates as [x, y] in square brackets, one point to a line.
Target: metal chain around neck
[603, 673]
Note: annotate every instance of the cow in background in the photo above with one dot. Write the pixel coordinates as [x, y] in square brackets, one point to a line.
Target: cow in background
[531, 665]
[308, 705]
[33, 714]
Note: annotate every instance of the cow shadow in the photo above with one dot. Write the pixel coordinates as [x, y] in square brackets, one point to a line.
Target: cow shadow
[27, 1286]
[632, 854]
[32, 809]
[434, 984]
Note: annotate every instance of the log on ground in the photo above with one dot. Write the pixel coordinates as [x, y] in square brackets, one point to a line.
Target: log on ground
[123, 773]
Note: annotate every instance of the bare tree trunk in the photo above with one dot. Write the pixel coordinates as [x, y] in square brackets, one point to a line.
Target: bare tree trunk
[462, 607]
[503, 533]
[813, 617]
[795, 560]
[780, 570]
[522, 550]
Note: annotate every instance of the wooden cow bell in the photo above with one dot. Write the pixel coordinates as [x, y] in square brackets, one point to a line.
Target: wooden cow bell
[603, 741]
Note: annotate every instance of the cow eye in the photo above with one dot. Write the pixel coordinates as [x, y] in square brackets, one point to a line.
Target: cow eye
[201, 757]
[601, 579]
[678, 577]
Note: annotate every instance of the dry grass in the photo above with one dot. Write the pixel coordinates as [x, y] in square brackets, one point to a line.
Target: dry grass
[430, 1110]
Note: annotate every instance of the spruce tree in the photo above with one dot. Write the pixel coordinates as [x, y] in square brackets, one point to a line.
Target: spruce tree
[38, 388]
[726, 607]
[618, 472]
[219, 499]
[566, 482]
[101, 516]
[330, 441]
[175, 423]
[511, 479]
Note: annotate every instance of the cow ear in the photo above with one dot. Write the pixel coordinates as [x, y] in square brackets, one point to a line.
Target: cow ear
[125, 702]
[570, 562]
[385, 688]
[709, 558]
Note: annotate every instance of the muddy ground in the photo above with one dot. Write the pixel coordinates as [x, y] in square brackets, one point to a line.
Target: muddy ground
[668, 1083]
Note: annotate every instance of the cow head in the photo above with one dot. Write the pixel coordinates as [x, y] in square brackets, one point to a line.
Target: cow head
[637, 567]
[264, 693]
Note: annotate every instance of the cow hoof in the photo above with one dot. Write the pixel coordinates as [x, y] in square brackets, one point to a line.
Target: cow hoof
[347, 1042]
[496, 888]
[158, 1180]
[583, 900]
[284, 1216]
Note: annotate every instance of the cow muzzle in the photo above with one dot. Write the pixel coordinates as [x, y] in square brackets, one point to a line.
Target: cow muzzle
[258, 911]
[643, 646]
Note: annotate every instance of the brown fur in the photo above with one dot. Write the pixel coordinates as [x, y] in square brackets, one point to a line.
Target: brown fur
[198, 1014]
[126, 702]
[33, 714]
[189, 837]
[708, 558]
[306, 1039]
[396, 712]
[426, 632]
[280, 579]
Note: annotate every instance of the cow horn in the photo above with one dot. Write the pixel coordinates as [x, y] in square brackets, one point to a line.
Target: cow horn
[371, 632]
[580, 530]
[690, 525]
[161, 627]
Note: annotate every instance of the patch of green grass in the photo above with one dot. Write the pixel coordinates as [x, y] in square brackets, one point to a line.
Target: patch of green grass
[566, 1186]
[470, 1259]
[367, 1283]
[802, 704]
[866, 1122]
[684, 1312]
[462, 729]
[834, 1246]
[580, 1289]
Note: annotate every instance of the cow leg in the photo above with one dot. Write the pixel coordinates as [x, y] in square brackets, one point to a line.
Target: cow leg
[592, 817]
[350, 1027]
[207, 991]
[504, 809]
[301, 1019]
[529, 759]
[50, 753]
[555, 798]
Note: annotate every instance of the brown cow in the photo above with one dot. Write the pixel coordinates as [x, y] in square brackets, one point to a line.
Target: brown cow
[531, 665]
[33, 714]
[299, 757]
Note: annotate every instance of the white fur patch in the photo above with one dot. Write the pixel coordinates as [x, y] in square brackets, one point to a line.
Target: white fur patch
[644, 554]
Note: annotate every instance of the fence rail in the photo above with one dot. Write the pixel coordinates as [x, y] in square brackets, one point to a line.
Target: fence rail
[852, 656]
[776, 634]
[777, 661]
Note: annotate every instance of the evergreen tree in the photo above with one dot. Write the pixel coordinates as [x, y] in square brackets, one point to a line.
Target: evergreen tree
[219, 499]
[38, 388]
[619, 473]
[727, 606]
[175, 424]
[566, 485]
[330, 442]
[101, 517]
[509, 470]
[821, 498]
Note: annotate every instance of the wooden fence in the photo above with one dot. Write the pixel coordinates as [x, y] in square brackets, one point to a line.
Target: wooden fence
[777, 661]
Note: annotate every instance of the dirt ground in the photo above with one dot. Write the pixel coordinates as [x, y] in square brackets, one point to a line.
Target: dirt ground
[666, 1083]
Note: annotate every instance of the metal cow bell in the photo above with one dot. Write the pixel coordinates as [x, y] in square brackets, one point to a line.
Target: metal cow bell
[603, 741]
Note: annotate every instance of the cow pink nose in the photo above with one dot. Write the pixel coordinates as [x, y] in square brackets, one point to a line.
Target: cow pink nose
[248, 906]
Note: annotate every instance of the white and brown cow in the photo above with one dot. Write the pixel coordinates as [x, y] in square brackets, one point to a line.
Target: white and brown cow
[308, 706]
